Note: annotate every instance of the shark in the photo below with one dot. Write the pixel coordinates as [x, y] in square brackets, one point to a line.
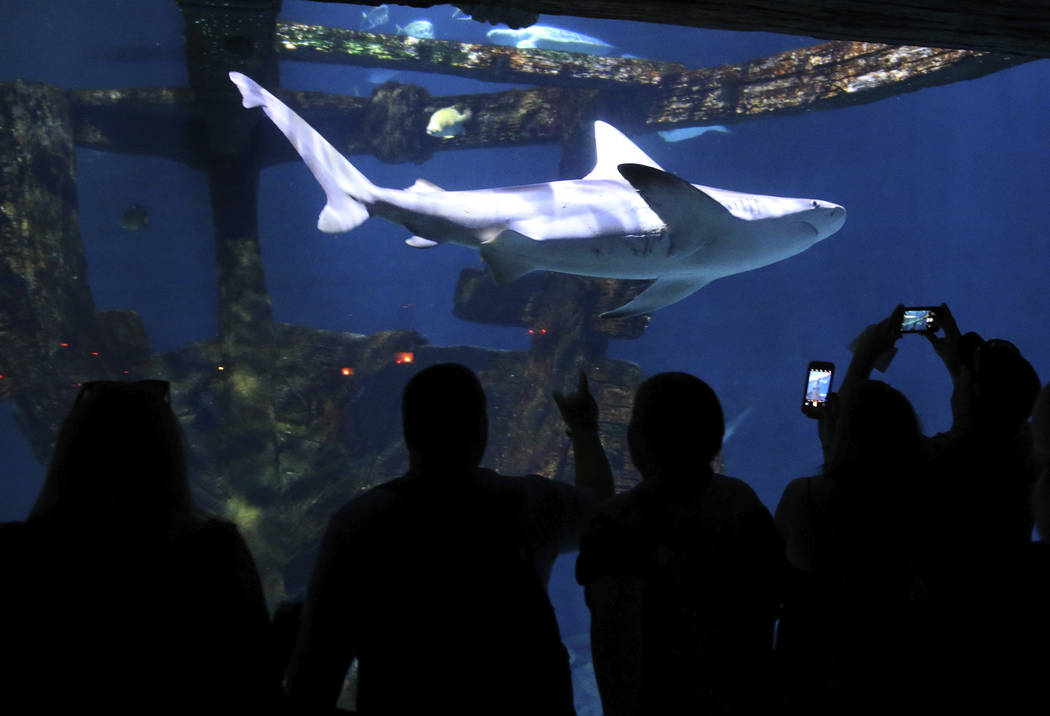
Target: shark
[548, 37]
[626, 219]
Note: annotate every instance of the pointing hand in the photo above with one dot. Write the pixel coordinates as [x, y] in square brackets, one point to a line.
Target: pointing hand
[578, 409]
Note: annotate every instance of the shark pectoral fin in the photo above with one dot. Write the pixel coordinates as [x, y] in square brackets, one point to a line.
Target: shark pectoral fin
[418, 242]
[507, 256]
[691, 216]
[662, 292]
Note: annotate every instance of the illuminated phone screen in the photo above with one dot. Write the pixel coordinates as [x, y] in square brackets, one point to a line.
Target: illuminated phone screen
[817, 387]
[918, 320]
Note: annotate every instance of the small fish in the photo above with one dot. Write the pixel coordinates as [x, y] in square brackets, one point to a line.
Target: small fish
[371, 19]
[447, 122]
[423, 29]
[683, 133]
[547, 37]
[135, 218]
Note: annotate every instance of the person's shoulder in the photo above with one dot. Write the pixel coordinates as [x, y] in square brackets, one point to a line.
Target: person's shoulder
[532, 488]
[372, 507]
[802, 488]
[733, 493]
[623, 509]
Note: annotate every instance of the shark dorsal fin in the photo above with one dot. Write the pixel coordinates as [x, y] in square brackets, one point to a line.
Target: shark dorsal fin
[613, 149]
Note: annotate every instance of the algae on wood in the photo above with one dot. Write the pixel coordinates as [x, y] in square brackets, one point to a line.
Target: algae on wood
[1014, 27]
[825, 76]
[494, 63]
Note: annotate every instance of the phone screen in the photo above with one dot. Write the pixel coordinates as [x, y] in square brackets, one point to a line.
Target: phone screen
[818, 385]
[919, 320]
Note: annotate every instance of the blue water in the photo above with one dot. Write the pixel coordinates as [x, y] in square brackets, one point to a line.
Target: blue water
[946, 190]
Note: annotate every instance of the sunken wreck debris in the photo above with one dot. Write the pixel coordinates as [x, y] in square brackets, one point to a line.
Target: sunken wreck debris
[161, 121]
[827, 76]
[52, 337]
[495, 63]
[1006, 27]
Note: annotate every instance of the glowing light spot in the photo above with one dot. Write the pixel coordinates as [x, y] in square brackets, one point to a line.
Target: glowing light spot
[347, 371]
[220, 368]
[94, 353]
[543, 331]
[63, 345]
[126, 372]
[406, 357]
[532, 332]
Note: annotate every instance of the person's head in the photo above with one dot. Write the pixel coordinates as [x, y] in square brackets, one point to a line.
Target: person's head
[676, 427]
[1002, 387]
[119, 454]
[444, 418]
[876, 429]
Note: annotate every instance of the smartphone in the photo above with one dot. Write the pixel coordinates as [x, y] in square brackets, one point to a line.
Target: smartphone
[818, 385]
[921, 319]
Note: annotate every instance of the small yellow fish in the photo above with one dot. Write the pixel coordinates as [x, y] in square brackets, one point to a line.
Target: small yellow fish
[447, 122]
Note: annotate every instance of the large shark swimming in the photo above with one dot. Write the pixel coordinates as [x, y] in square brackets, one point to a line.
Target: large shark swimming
[626, 219]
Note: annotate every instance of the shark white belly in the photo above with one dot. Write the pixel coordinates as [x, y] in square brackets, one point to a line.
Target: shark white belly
[626, 219]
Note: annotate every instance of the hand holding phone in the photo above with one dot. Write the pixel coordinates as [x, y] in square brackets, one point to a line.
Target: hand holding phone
[817, 386]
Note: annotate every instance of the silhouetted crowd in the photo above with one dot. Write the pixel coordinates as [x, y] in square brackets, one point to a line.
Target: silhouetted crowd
[902, 578]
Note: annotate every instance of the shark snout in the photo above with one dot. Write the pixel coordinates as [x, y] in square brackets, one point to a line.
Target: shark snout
[836, 217]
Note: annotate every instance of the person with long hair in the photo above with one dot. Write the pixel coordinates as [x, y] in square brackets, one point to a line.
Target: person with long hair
[855, 536]
[117, 591]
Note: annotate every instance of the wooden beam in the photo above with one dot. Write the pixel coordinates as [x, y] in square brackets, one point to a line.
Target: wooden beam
[1008, 27]
[314, 43]
[391, 124]
[826, 76]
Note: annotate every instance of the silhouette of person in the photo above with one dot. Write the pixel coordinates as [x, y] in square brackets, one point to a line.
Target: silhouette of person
[1033, 623]
[978, 530]
[680, 573]
[984, 460]
[117, 592]
[855, 538]
[1041, 445]
[434, 581]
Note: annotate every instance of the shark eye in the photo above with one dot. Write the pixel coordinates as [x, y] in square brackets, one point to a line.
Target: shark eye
[815, 205]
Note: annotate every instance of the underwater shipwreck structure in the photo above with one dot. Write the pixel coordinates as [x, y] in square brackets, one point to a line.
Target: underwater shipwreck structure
[285, 423]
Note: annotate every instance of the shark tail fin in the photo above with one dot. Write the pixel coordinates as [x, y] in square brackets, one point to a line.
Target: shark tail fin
[507, 256]
[348, 191]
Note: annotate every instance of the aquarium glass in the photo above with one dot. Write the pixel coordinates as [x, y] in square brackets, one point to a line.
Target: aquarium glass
[945, 189]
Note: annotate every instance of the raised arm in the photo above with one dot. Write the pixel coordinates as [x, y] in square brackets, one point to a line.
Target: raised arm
[580, 412]
[875, 341]
[947, 347]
